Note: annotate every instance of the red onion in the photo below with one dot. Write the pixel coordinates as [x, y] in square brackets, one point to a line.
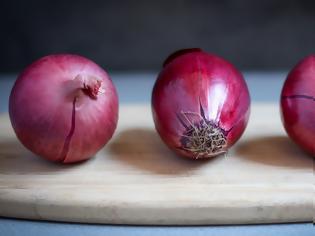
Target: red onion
[64, 108]
[298, 104]
[200, 104]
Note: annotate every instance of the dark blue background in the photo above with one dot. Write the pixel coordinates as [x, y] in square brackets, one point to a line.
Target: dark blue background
[138, 35]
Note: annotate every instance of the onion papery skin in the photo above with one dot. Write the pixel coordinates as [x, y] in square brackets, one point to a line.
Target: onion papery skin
[298, 104]
[64, 108]
[200, 104]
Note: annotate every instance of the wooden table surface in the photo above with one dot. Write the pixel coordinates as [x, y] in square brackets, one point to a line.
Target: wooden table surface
[264, 87]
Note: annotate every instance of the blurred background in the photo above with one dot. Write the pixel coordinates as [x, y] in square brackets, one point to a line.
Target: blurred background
[138, 35]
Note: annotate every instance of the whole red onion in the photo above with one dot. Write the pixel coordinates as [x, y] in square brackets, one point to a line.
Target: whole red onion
[200, 104]
[64, 108]
[298, 104]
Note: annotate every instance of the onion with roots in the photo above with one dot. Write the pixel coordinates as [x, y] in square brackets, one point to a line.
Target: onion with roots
[64, 108]
[298, 104]
[200, 104]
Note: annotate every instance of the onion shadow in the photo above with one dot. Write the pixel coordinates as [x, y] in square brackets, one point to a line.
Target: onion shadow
[275, 151]
[142, 148]
[16, 159]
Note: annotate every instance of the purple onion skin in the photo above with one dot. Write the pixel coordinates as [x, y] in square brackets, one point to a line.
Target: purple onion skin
[64, 108]
[199, 92]
[298, 104]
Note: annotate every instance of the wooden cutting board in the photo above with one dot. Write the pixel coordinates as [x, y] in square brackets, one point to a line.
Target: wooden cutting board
[135, 179]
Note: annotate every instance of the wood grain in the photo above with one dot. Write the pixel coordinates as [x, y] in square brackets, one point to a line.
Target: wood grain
[135, 179]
